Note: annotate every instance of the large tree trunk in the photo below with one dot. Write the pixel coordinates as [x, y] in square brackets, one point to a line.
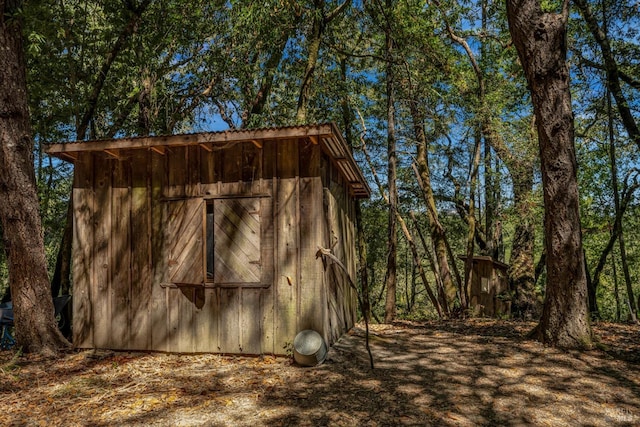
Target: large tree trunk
[540, 39]
[35, 326]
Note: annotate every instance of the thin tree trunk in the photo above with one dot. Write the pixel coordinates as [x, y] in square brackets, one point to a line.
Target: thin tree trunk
[592, 301]
[521, 269]
[362, 272]
[616, 289]
[407, 234]
[611, 67]
[433, 263]
[437, 232]
[468, 263]
[619, 210]
[320, 22]
[633, 308]
[35, 326]
[418, 264]
[491, 228]
[391, 274]
[540, 39]
[347, 120]
[101, 76]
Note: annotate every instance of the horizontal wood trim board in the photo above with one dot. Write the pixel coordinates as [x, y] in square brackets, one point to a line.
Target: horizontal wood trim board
[215, 197]
[216, 285]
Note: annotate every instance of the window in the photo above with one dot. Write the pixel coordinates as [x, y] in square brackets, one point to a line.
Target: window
[484, 284]
[233, 229]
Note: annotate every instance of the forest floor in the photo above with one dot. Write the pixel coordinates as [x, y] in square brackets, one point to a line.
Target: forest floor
[452, 373]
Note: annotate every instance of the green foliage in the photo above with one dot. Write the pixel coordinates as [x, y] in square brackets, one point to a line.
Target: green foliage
[181, 66]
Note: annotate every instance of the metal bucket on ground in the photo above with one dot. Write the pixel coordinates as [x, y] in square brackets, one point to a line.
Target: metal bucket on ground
[309, 348]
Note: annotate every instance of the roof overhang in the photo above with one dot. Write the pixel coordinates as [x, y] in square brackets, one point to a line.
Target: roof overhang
[488, 259]
[327, 135]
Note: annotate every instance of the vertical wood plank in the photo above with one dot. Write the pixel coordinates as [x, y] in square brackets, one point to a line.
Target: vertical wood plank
[269, 240]
[209, 172]
[158, 306]
[172, 319]
[286, 223]
[230, 309]
[268, 253]
[250, 324]
[206, 321]
[120, 254]
[193, 180]
[333, 280]
[186, 301]
[232, 163]
[141, 252]
[176, 172]
[83, 206]
[311, 272]
[176, 186]
[310, 155]
[101, 254]
[251, 168]
[231, 182]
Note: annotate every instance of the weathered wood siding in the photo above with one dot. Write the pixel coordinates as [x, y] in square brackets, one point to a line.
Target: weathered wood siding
[140, 248]
[488, 283]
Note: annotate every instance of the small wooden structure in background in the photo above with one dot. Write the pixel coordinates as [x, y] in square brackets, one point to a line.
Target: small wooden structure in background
[207, 242]
[489, 292]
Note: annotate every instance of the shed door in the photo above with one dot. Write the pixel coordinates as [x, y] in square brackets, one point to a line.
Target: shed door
[184, 237]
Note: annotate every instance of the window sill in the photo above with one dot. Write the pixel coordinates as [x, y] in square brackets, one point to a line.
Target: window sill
[215, 285]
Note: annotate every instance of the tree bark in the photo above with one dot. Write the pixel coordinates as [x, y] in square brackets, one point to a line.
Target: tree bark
[540, 39]
[391, 275]
[469, 250]
[521, 269]
[35, 326]
[447, 288]
[521, 264]
[320, 22]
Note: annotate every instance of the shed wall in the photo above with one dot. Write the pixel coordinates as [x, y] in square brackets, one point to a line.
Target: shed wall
[140, 249]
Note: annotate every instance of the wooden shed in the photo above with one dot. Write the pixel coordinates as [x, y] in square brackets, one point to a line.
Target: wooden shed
[489, 293]
[207, 242]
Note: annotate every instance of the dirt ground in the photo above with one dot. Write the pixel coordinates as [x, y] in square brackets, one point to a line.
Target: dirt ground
[454, 373]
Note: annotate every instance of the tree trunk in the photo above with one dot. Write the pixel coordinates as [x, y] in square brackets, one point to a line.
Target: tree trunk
[633, 309]
[320, 22]
[315, 38]
[616, 291]
[521, 269]
[613, 74]
[35, 326]
[468, 263]
[391, 275]
[521, 273]
[447, 288]
[540, 39]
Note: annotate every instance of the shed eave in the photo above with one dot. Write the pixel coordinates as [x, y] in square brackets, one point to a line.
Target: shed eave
[326, 134]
